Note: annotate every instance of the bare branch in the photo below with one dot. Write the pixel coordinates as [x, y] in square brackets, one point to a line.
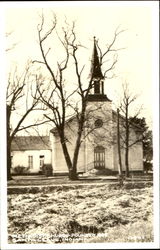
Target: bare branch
[12, 47]
[111, 67]
[31, 125]
[110, 46]
[36, 61]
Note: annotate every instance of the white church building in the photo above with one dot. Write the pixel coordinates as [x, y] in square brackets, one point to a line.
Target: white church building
[99, 149]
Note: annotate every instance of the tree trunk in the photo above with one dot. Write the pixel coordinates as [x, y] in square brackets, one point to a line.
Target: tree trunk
[126, 162]
[127, 142]
[67, 158]
[73, 173]
[9, 176]
[8, 113]
[119, 144]
[119, 151]
[78, 142]
[75, 158]
[66, 155]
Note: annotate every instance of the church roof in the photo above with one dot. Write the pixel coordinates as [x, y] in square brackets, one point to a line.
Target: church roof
[95, 64]
[134, 126]
[21, 143]
[98, 98]
[114, 117]
[70, 119]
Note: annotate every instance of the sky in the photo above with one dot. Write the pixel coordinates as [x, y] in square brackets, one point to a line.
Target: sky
[136, 61]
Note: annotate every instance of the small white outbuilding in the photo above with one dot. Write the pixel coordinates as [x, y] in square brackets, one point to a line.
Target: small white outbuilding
[30, 152]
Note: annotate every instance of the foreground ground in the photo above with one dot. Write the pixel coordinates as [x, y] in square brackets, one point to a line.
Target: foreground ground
[87, 213]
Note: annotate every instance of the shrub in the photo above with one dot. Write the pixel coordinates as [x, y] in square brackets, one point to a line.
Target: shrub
[74, 227]
[21, 169]
[147, 166]
[47, 170]
[124, 203]
[105, 171]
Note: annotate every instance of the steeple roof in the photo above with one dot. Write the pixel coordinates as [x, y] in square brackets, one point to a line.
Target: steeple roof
[95, 64]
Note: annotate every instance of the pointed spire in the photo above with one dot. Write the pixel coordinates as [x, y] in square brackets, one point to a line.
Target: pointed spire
[95, 64]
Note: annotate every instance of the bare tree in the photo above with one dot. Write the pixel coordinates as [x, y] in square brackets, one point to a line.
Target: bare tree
[21, 95]
[56, 97]
[119, 144]
[128, 98]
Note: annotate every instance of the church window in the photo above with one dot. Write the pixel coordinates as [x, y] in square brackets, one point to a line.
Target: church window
[98, 123]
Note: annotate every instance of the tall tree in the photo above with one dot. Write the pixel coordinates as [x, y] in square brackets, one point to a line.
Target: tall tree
[119, 144]
[146, 141]
[21, 96]
[56, 96]
[126, 102]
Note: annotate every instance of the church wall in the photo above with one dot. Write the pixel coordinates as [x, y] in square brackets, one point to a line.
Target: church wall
[105, 136]
[102, 136]
[135, 152]
[59, 163]
[135, 158]
[89, 156]
[58, 159]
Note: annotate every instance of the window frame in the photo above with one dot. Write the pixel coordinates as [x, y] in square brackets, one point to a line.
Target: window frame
[99, 157]
[30, 161]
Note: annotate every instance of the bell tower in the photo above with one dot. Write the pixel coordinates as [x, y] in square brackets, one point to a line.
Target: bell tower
[99, 125]
[97, 78]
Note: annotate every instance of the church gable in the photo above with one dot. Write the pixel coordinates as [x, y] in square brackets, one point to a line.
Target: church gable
[99, 123]
[135, 132]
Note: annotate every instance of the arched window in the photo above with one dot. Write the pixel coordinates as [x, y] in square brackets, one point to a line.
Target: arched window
[99, 157]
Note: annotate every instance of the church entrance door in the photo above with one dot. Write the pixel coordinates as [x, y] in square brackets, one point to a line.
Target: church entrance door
[99, 157]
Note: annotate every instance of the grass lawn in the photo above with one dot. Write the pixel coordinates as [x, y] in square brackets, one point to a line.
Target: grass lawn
[99, 213]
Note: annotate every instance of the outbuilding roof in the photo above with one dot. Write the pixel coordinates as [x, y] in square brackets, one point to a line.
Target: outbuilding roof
[21, 143]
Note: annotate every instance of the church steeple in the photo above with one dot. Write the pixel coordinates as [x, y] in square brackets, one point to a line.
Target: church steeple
[95, 65]
[97, 90]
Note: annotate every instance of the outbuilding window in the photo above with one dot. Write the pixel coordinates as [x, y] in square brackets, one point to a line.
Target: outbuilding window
[41, 160]
[30, 161]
